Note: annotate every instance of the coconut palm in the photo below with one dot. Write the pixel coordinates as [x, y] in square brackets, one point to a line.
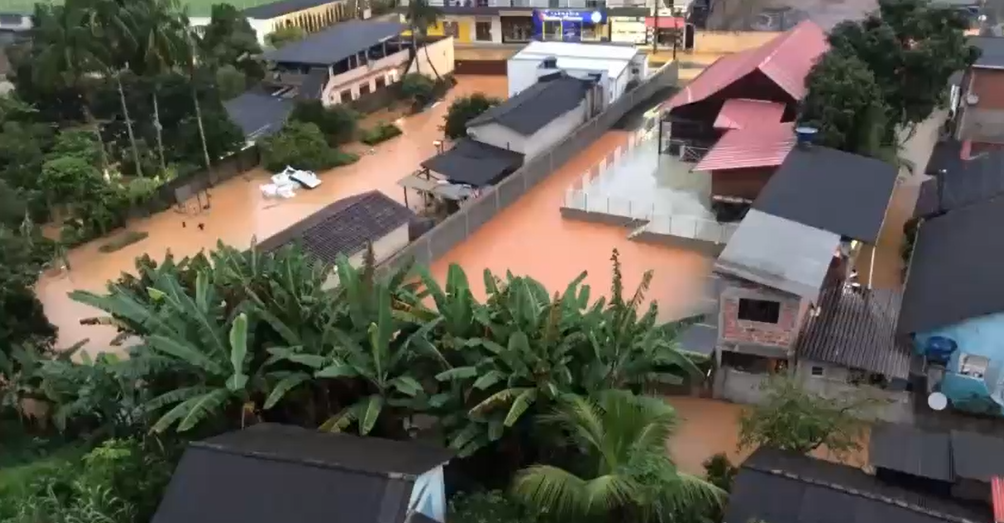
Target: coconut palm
[190, 54]
[65, 53]
[420, 16]
[160, 34]
[625, 474]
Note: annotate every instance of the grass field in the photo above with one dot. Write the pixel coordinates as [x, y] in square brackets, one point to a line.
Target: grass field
[195, 7]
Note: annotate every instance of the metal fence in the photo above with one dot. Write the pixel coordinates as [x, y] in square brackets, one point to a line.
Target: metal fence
[477, 212]
[691, 227]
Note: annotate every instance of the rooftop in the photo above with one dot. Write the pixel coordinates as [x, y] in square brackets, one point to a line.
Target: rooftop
[781, 487]
[282, 7]
[785, 60]
[941, 456]
[536, 106]
[765, 145]
[780, 254]
[963, 181]
[268, 472]
[992, 48]
[258, 113]
[474, 163]
[344, 227]
[741, 113]
[833, 190]
[335, 43]
[955, 271]
[612, 58]
[857, 329]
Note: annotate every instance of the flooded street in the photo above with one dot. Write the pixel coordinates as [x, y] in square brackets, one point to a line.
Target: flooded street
[239, 212]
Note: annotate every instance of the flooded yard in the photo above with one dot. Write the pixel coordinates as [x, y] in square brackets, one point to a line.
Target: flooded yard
[238, 212]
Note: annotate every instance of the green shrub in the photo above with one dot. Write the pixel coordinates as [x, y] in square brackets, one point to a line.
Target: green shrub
[380, 133]
[487, 507]
[418, 88]
[338, 123]
[719, 471]
[909, 237]
[462, 110]
[302, 146]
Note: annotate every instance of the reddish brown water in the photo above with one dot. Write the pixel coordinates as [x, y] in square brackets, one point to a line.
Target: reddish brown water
[239, 212]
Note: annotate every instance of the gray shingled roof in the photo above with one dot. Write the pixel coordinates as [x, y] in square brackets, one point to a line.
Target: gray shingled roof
[992, 51]
[955, 271]
[474, 163]
[536, 106]
[964, 182]
[857, 329]
[274, 473]
[335, 43]
[782, 487]
[258, 114]
[831, 190]
[910, 450]
[977, 456]
[282, 7]
[343, 228]
[779, 253]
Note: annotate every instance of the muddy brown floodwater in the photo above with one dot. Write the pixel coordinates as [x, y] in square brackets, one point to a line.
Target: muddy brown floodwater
[239, 212]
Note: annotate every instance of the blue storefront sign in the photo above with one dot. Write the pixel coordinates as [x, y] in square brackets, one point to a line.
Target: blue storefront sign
[567, 24]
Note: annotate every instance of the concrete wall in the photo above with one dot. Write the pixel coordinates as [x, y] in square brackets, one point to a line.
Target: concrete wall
[475, 213]
[311, 20]
[983, 121]
[891, 406]
[383, 249]
[345, 92]
[530, 146]
[734, 330]
[725, 42]
[740, 183]
[738, 386]
[439, 54]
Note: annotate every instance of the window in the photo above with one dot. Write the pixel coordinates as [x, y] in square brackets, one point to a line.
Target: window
[451, 29]
[973, 365]
[816, 371]
[346, 96]
[763, 311]
[483, 31]
[364, 89]
[380, 82]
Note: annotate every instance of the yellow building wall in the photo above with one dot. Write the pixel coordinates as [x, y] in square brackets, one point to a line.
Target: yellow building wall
[465, 28]
[313, 19]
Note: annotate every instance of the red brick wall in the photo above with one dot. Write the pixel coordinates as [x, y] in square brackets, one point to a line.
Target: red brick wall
[740, 183]
[781, 334]
[988, 84]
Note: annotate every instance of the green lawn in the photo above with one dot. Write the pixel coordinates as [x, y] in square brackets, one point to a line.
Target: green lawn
[195, 7]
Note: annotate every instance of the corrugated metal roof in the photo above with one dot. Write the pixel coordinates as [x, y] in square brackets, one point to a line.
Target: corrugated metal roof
[740, 113]
[857, 329]
[786, 60]
[758, 146]
[910, 450]
[779, 254]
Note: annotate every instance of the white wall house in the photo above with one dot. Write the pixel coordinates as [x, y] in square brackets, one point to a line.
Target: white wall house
[530, 145]
[617, 65]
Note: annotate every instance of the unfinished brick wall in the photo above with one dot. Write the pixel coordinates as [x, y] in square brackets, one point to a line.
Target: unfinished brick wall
[734, 330]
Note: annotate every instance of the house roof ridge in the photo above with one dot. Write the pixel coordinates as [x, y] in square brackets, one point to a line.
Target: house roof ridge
[863, 494]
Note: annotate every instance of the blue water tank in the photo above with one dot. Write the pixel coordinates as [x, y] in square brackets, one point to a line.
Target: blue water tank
[804, 136]
[939, 349]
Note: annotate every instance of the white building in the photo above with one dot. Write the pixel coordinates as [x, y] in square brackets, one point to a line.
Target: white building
[614, 66]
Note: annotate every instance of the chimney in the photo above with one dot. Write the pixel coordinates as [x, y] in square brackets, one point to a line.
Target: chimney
[804, 136]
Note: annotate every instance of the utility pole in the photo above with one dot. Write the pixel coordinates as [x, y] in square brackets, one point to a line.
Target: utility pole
[655, 29]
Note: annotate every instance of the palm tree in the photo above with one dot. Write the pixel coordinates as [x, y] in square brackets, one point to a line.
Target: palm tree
[190, 58]
[420, 16]
[111, 28]
[64, 55]
[160, 33]
[625, 473]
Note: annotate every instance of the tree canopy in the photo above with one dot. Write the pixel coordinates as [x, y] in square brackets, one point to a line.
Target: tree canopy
[462, 110]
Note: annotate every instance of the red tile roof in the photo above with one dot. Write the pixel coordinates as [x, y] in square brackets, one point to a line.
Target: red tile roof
[759, 146]
[997, 494]
[786, 60]
[740, 113]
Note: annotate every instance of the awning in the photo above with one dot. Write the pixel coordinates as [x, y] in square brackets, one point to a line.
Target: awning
[739, 113]
[473, 163]
[666, 22]
[759, 146]
[440, 188]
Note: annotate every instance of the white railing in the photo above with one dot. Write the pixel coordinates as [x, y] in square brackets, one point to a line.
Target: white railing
[692, 227]
[580, 200]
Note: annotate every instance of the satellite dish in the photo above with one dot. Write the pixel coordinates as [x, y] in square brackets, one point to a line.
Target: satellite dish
[937, 401]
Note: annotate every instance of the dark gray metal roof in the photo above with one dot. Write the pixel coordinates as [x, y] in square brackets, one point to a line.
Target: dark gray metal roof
[281, 8]
[258, 113]
[955, 271]
[536, 106]
[336, 43]
[992, 51]
[782, 487]
[977, 456]
[474, 163]
[857, 329]
[699, 338]
[963, 182]
[269, 473]
[344, 227]
[313, 85]
[907, 449]
[833, 190]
